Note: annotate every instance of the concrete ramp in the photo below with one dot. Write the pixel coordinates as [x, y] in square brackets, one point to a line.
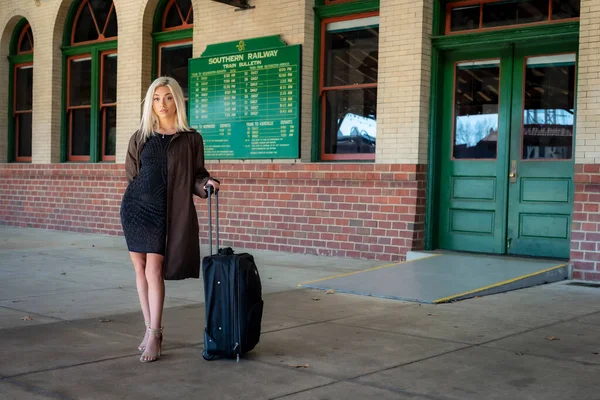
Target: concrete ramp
[442, 278]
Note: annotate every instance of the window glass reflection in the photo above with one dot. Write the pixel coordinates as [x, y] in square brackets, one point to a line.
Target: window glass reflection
[549, 102]
[80, 84]
[565, 9]
[514, 13]
[476, 100]
[352, 52]
[24, 88]
[24, 138]
[465, 18]
[174, 63]
[109, 82]
[110, 130]
[351, 121]
[80, 139]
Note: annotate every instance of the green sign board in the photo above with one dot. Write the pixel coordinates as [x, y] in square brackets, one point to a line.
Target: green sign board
[244, 98]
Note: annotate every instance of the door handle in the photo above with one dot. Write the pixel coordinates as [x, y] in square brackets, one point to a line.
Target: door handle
[513, 171]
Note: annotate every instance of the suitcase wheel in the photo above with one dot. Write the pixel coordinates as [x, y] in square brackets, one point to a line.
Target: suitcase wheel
[207, 356]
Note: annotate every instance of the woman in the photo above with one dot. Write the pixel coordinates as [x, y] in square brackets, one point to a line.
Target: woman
[164, 167]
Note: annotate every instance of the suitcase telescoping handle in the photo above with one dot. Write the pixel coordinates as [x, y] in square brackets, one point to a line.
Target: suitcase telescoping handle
[210, 190]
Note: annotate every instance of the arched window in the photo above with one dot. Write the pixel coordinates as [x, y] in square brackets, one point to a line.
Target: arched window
[173, 24]
[90, 49]
[21, 85]
[95, 21]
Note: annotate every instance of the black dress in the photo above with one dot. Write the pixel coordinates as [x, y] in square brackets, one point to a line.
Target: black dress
[144, 205]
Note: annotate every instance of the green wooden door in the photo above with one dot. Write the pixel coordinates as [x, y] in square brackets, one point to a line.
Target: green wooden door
[506, 156]
[477, 88]
[540, 187]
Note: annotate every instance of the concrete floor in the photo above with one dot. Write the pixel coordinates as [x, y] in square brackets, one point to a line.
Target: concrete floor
[70, 325]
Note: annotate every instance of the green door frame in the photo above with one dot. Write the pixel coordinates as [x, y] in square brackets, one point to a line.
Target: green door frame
[441, 47]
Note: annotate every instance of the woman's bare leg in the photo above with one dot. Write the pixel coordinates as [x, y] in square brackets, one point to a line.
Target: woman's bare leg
[139, 264]
[156, 299]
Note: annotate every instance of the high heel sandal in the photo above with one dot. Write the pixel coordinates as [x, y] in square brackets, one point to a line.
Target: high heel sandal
[157, 334]
[142, 345]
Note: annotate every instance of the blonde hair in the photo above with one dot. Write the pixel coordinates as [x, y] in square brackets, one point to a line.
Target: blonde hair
[150, 122]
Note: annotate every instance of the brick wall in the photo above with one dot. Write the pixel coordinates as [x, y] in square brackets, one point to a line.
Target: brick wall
[585, 235]
[349, 210]
[70, 197]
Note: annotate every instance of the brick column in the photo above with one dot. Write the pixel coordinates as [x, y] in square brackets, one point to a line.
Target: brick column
[404, 81]
[134, 66]
[585, 235]
[48, 30]
[403, 97]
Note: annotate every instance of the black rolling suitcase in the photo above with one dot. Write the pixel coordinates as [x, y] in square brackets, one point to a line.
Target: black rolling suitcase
[233, 299]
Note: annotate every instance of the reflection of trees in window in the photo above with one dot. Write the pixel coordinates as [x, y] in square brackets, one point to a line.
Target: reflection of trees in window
[471, 130]
[476, 109]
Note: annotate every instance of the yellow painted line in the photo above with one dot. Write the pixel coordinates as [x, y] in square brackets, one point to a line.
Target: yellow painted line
[446, 299]
[367, 270]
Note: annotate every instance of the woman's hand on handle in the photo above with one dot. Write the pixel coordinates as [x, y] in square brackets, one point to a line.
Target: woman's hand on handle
[213, 183]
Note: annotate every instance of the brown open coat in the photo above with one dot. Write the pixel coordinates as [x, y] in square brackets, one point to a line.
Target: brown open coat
[187, 176]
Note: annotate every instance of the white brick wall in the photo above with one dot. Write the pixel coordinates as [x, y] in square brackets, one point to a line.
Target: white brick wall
[47, 81]
[587, 136]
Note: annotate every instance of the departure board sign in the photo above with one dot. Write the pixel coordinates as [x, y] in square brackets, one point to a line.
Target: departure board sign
[246, 104]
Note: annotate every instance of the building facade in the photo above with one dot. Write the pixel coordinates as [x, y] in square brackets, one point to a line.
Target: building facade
[459, 125]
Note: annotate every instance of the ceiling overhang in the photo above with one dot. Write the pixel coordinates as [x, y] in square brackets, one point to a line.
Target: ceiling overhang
[239, 4]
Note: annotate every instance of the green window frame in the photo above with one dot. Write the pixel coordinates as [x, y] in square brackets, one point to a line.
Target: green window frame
[87, 134]
[20, 115]
[172, 36]
[326, 12]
